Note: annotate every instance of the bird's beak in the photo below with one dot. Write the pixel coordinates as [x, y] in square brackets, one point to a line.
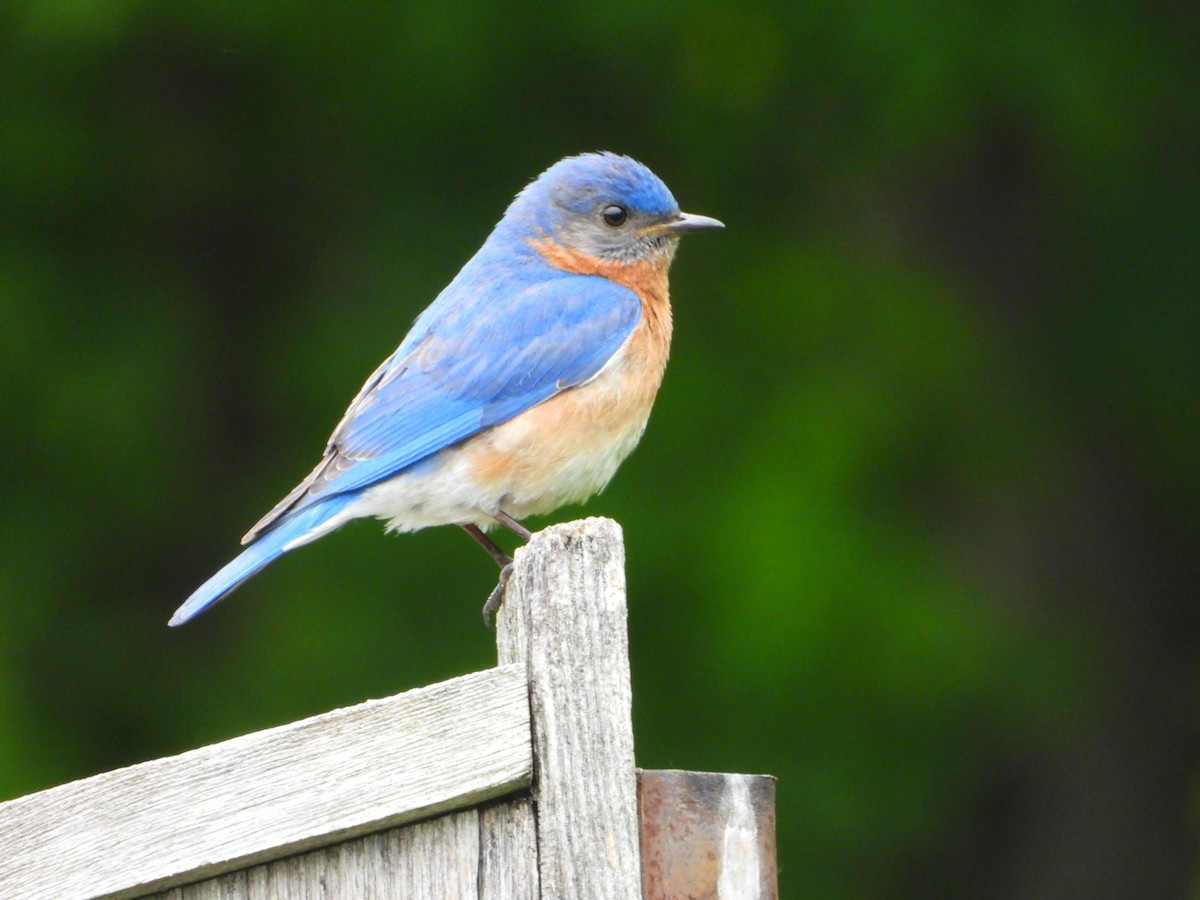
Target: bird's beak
[688, 222]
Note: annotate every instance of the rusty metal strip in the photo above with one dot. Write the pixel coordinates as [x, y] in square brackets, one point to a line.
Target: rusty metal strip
[707, 836]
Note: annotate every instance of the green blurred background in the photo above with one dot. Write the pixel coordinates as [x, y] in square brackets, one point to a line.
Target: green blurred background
[913, 526]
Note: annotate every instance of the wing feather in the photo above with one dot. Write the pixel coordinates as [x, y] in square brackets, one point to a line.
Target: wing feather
[471, 361]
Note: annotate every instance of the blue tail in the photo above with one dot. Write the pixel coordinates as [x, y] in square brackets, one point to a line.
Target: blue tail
[289, 533]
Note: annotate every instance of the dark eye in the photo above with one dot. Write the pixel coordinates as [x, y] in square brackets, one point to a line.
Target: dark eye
[614, 216]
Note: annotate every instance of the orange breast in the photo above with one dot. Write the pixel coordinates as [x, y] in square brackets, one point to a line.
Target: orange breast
[567, 448]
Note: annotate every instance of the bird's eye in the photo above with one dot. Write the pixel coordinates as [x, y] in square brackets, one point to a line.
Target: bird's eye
[614, 216]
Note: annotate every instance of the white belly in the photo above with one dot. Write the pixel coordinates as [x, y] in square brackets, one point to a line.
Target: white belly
[562, 451]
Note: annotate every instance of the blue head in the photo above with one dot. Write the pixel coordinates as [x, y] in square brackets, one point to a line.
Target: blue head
[606, 205]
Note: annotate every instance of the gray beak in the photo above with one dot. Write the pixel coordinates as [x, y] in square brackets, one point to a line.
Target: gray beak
[688, 222]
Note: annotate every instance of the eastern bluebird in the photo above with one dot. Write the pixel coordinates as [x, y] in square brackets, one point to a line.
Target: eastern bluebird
[520, 389]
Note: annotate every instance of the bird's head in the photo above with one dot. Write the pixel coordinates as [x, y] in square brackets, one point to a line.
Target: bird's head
[605, 205]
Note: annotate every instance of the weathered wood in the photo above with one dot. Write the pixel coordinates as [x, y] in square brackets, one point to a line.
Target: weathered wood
[706, 834]
[371, 801]
[271, 794]
[483, 853]
[565, 615]
[435, 858]
[508, 851]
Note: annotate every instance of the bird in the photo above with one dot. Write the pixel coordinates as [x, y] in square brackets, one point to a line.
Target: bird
[520, 389]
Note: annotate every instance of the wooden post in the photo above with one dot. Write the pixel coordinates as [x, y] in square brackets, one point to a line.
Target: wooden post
[565, 616]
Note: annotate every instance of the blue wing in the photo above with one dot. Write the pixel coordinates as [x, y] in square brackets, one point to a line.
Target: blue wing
[472, 360]
[476, 357]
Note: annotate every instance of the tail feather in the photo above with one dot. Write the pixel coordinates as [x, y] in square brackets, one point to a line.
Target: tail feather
[290, 533]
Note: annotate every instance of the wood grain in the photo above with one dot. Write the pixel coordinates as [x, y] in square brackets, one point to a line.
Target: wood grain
[565, 615]
[394, 798]
[273, 793]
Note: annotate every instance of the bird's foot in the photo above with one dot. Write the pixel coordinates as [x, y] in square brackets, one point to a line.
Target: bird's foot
[502, 559]
[496, 597]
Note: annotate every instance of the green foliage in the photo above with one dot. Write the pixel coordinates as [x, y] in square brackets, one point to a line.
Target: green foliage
[913, 524]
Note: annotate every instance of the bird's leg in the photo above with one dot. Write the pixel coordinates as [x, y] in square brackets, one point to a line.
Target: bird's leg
[494, 550]
[502, 559]
[512, 524]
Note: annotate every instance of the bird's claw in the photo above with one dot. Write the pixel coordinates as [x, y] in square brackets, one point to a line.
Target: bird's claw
[496, 597]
